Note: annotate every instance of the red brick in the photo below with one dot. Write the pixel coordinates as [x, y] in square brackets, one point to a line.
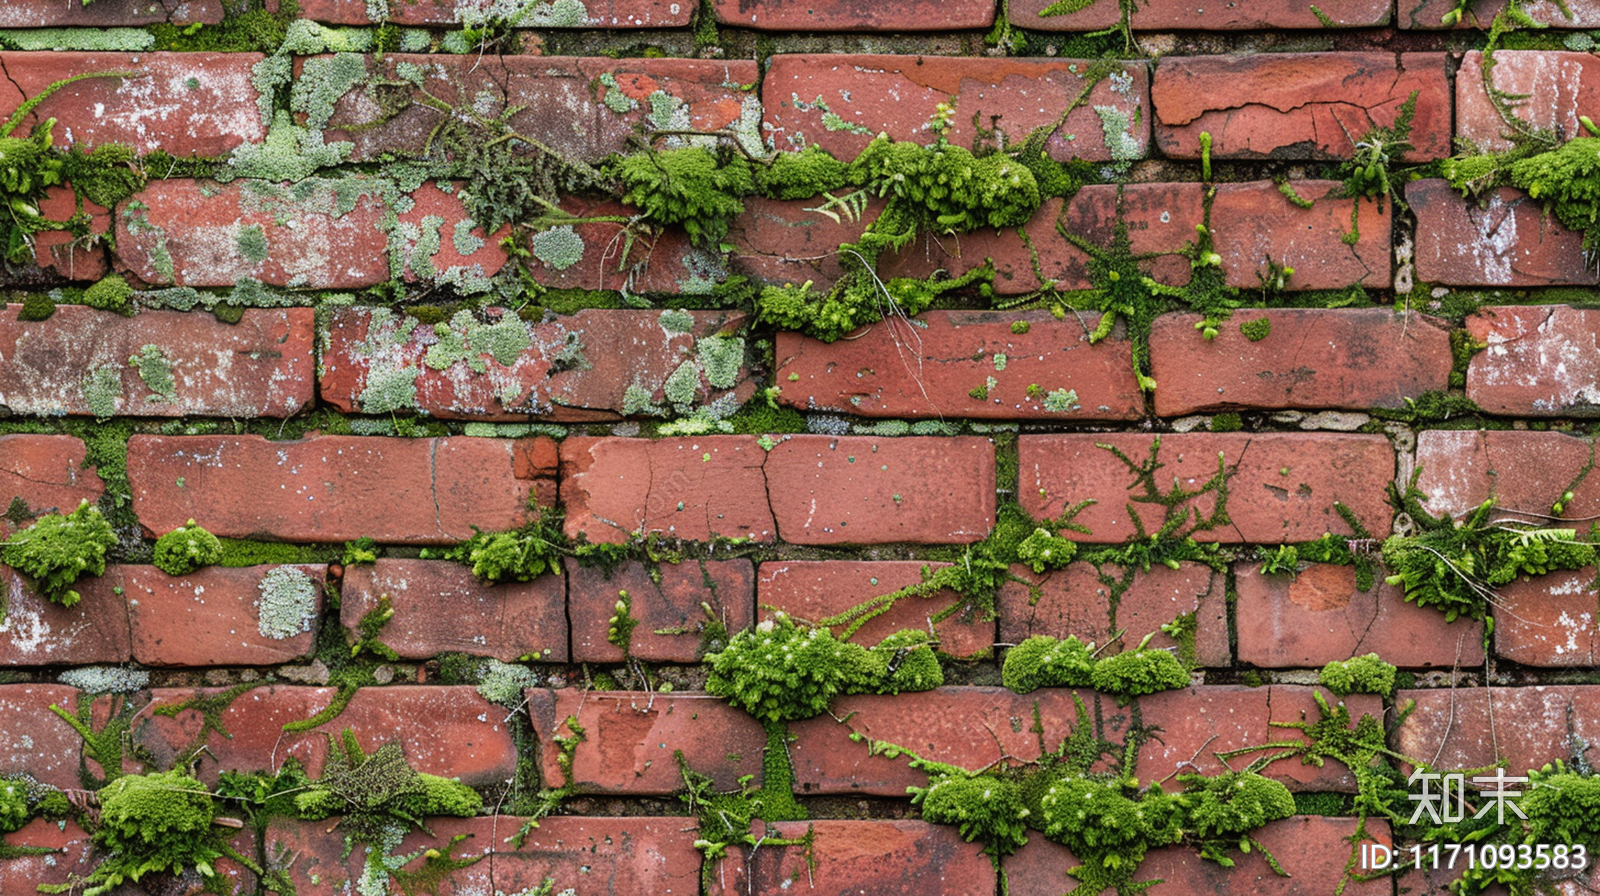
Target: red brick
[1540, 361]
[665, 598]
[1505, 240]
[597, 13]
[929, 491]
[662, 262]
[1192, 15]
[178, 232]
[631, 739]
[439, 607]
[1467, 728]
[449, 731]
[20, 875]
[209, 617]
[581, 856]
[260, 367]
[1525, 472]
[1297, 105]
[1312, 849]
[59, 250]
[558, 100]
[900, 857]
[1429, 14]
[695, 488]
[1548, 620]
[1281, 487]
[108, 14]
[854, 15]
[34, 740]
[1254, 225]
[973, 727]
[816, 589]
[1077, 601]
[325, 488]
[782, 241]
[1318, 616]
[929, 368]
[48, 473]
[1312, 358]
[898, 94]
[154, 109]
[430, 201]
[1554, 88]
[545, 379]
[38, 632]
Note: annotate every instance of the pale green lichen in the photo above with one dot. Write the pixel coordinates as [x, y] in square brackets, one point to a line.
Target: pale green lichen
[559, 247]
[251, 242]
[389, 389]
[155, 370]
[1059, 401]
[683, 387]
[391, 381]
[667, 112]
[104, 40]
[289, 153]
[503, 683]
[288, 603]
[323, 81]
[462, 237]
[999, 362]
[677, 320]
[429, 239]
[105, 679]
[721, 357]
[884, 428]
[102, 389]
[1122, 145]
[269, 76]
[702, 422]
[307, 38]
[637, 400]
[614, 99]
[523, 14]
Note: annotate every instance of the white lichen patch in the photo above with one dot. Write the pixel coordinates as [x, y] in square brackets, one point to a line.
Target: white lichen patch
[288, 603]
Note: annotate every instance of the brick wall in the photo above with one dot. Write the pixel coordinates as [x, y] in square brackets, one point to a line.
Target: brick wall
[312, 338]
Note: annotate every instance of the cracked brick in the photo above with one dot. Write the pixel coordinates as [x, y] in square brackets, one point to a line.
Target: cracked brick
[47, 473]
[1477, 727]
[440, 607]
[692, 488]
[1525, 473]
[1538, 361]
[818, 589]
[1504, 239]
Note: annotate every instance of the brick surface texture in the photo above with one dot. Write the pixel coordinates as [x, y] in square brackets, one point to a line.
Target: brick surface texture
[669, 447]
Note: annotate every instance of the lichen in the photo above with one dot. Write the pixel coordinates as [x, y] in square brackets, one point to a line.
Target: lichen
[105, 679]
[251, 243]
[558, 247]
[102, 389]
[721, 357]
[288, 603]
[101, 40]
[289, 153]
[1115, 126]
[638, 400]
[323, 81]
[1060, 401]
[503, 683]
[677, 321]
[156, 371]
[465, 241]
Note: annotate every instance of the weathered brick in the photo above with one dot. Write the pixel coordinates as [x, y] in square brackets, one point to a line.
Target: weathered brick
[1196, 15]
[438, 218]
[1429, 14]
[855, 15]
[694, 488]
[1297, 105]
[73, 858]
[180, 232]
[1540, 361]
[784, 241]
[1312, 358]
[1553, 89]
[1525, 472]
[260, 367]
[1319, 616]
[439, 607]
[931, 369]
[596, 13]
[613, 256]
[900, 857]
[199, 104]
[61, 251]
[1311, 849]
[1254, 226]
[39, 632]
[576, 367]
[1505, 240]
[896, 95]
[581, 856]
[34, 740]
[326, 488]
[975, 726]
[932, 490]
[47, 473]
[1463, 728]
[449, 731]
[563, 101]
[108, 14]
[1282, 487]
[631, 739]
[1077, 601]
[665, 599]
[816, 589]
[210, 617]
[1548, 620]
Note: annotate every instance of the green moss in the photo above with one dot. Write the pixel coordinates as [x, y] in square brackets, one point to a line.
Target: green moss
[1220, 812]
[186, 549]
[1358, 675]
[1044, 551]
[1227, 422]
[59, 549]
[237, 552]
[157, 822]
[801, 175]
[515, 555]
[1135, 673]
[1045, 662]
[111, 293]
[253, 30]
[37, 306]
[985, 808]
[1257, 329]
[693, 188]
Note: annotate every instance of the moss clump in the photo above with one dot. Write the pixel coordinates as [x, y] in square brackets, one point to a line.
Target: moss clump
[1566, 179]
[160, 822]
[1257, 329]
[1135, 673]
[37, 306]
[1045, 551]
[1045, 662]
[111, 293]
[14, 812]
[58, 549]
[986, 808]
[1220, 812]
[1358, 675]
[516, 555]
[186, 549]
[801, 175]
[558, 247]
[694, 188]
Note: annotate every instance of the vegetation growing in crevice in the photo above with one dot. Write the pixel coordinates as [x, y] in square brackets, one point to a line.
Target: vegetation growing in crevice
[186, 549]
[58, 549]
